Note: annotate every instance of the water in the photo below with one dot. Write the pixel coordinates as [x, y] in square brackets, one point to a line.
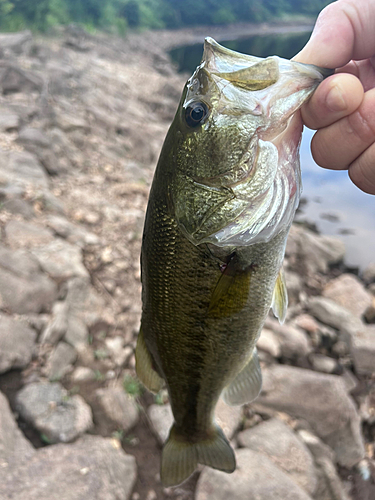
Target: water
[331, 201]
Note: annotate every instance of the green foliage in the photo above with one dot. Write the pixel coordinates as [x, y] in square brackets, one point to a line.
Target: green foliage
[117, 15]
[132, 386]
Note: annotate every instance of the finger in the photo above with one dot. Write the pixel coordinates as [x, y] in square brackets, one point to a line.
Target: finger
[338, 145]
[364, 70]
[344, 30]
[335, 98]
[362, 171]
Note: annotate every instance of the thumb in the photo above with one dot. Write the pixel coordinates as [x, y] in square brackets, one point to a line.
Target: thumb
[344, 30]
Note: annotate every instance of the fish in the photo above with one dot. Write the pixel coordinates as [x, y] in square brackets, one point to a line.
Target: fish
[223, 197]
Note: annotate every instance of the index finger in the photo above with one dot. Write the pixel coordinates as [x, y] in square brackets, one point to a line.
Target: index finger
[344, 31]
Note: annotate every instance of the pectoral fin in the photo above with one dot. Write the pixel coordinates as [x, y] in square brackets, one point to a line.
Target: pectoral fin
[280, 298]
[247, 385]
[143, 365]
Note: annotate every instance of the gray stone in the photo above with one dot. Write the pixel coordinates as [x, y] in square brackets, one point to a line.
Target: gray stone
[322, 363]
[23, 287]
[77, 235]
[15, 79]
[348, 291]
[49, 408]
[115, 408]
[15, 42]
[85, 311]
[370, 311]
[61, 260]
[322, 400]
[19, 207]
[269, 342]
[34, 137]
[294, 285]
[316, 252]
[294, 342]
[14, 447]
[255, 477]
[22, 169]
[117, 351]
[16, 343]
[69, 122]
[280, 444]
[57, 325]
[83, 374]
[329, 484]
[26, 234]
[332, 314]
[363, 350]
[61, 361]
[93, 468]
[9, 120]
[369, 274]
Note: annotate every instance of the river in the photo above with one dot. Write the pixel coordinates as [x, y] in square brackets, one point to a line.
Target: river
[330, 202]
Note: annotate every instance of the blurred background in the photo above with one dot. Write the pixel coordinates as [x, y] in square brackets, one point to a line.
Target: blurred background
[88, 89]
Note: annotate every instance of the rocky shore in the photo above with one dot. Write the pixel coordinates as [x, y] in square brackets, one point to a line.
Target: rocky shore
[82, 121]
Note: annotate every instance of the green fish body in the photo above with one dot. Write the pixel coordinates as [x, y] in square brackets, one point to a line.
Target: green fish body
[223, 197]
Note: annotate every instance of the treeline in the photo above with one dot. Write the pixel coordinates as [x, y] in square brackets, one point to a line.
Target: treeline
[119, 15]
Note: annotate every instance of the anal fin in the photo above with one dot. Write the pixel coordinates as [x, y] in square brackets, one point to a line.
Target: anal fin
[143, 366]
[247, 385]
[280, 298]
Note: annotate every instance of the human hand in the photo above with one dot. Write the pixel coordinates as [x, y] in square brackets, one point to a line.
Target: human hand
[342, 109]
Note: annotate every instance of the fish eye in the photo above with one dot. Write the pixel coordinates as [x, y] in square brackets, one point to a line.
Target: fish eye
[196, 113]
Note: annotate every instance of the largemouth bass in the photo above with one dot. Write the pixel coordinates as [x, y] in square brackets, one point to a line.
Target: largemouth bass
[223, 197]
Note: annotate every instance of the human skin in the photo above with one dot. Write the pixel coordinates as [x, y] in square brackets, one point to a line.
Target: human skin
[342, 109]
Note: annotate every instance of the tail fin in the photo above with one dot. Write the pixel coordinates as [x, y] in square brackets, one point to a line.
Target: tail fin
[181, 457]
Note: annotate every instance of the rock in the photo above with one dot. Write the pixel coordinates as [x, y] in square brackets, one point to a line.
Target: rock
[228, 417]
[9, 120]
[348, 291]
[332, 314]
[14, 79]
[77, 235]
[61, 260]
[329, 484]
[363, 350]
[82, 374]
[60, 361]
[14, 43]
[293, 341]
[14, 447]
[23, 287]
[57, 325]
[255, 477]
[117, 351]
[93, 468]
[269, 342]
[279, 443]
[370, 312]
[321, 363]
[161, 417]
[19, 207]
[85, 309]
[53, 412]
[26, 234]
[69, 122]
[16, 344]
[115, 408]
[322, 401]
[22, 169]
[369, 274]
[34, 137]
[314, 251]
[294, 285]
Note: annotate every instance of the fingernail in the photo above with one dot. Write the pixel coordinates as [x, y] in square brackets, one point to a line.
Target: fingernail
[335, 100]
